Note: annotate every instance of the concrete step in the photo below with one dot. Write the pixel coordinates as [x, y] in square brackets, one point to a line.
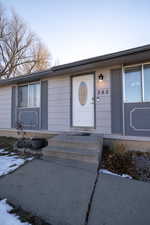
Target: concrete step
[74, 147]
[77, 138]
[75, 150]
[74, 144]
[73, 141]
[72, 153]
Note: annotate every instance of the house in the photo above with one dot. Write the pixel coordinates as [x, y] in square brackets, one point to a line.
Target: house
[108, 95]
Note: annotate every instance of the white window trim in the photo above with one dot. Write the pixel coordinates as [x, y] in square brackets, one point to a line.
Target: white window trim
[28, 84]
[142, 82]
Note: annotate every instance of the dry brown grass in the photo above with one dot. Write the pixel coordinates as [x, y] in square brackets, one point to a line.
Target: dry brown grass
[119, 161]
[7, 143]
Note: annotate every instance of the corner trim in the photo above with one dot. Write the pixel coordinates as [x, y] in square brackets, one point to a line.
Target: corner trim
[127, 138]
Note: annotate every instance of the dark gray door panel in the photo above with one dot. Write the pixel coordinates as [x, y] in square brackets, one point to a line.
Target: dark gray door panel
[13, 107]
[116, 101]
[29, 118]
[137, 119]
[44, 105]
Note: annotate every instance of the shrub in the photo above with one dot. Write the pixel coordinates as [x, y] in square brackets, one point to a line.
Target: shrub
[118, 160]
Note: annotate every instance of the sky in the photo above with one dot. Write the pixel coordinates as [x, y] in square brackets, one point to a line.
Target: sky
[78, 29]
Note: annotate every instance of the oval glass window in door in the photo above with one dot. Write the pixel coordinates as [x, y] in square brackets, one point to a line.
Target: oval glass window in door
[83, 92]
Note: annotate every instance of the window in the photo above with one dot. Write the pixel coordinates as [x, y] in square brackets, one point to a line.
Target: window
[133, 85]
[34, 95]
[137, 84]
[23, 96]
[83, 92]
[29, 95]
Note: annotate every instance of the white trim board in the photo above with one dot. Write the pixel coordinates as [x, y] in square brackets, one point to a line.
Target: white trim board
[127, 138]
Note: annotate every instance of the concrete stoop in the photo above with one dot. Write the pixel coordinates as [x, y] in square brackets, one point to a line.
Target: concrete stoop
[82, 147]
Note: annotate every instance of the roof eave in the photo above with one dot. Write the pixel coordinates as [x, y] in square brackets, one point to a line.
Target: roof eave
[132, 56]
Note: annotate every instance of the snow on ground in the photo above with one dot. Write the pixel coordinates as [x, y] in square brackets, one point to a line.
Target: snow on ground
[104, 171]
[3, 151]
[10, 162]
[6, 218]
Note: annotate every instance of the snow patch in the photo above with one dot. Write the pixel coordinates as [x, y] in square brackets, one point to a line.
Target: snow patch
[29, 159]
[104, 171]
[6, 218]
[3, 151]
[11, 162]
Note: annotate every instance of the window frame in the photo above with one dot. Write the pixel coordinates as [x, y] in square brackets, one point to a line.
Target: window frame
[28, 84]
[145, 101]
[142, 82]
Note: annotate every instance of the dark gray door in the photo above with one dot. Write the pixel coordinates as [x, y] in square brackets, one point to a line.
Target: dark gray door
[116, 101]
[44, 104]
[29, 118]
[13, 107]
[137, 119]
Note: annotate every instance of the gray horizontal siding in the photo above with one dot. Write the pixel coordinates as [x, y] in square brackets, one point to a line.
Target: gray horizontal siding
[59, 104]
[103, 107]
[5, 107]
[59, 91]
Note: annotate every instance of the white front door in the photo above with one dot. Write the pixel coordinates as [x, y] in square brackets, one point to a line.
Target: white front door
[83, 101]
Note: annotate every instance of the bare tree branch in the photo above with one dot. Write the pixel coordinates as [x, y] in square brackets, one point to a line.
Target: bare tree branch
[21, 51]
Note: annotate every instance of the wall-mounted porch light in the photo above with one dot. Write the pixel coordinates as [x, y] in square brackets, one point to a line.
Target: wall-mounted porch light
[100, 77]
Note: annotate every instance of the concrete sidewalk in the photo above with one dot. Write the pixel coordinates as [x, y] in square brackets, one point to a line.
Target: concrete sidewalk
[58, 191]
[120, 201]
